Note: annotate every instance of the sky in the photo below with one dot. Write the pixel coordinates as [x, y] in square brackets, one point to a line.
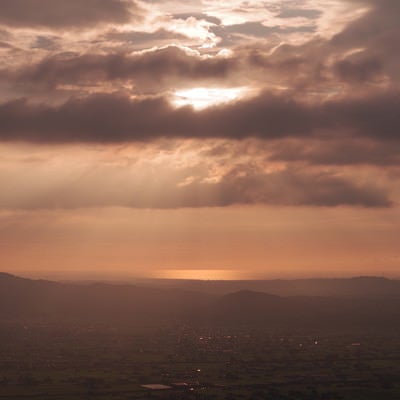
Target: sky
[199, 139]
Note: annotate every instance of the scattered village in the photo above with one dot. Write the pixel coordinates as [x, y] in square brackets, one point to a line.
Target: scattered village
[184, 362]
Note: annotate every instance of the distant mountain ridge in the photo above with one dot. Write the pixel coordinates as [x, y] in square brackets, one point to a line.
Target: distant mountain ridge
[25, 298]
[41, 300]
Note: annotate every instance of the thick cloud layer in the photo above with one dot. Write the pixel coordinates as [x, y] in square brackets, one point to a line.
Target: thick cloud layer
[116, 118]
[316, 87]
[147, 70]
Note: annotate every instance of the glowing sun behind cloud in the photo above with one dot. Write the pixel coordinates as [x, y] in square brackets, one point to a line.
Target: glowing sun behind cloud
[200, 98]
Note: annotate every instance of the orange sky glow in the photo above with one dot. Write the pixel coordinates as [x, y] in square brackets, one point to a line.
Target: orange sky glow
[199, 140]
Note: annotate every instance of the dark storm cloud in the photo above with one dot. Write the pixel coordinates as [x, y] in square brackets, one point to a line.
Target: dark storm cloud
[170, 65]
[149, 67]
[59, 14]
[376, 116]
[117, 118]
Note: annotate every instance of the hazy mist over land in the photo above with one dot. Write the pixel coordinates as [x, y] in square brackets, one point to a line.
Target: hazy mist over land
[341, 304]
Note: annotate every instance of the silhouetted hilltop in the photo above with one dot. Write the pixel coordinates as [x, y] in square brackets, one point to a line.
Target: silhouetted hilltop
[344, 287]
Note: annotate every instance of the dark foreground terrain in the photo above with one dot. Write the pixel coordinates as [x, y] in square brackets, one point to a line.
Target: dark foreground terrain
[102, 341]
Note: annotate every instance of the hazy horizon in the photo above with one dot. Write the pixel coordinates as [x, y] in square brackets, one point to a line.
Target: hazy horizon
[180, 275]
